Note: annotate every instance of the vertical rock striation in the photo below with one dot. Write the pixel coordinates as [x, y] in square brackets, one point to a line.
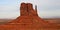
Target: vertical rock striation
[28, 19]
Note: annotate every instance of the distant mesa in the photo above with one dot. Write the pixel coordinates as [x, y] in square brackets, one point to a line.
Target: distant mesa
[29, 19]
[28, 15]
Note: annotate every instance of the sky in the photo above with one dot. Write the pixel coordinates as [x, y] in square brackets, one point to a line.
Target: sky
[9, 9]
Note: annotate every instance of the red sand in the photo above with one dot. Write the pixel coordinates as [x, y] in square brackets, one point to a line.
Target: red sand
[29, 20]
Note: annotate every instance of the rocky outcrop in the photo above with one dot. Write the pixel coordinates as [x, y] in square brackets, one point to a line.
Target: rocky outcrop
[28, 20]
[26, 9]
[28, 15]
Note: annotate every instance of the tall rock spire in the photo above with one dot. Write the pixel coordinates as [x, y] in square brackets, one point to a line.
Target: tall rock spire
[36, 9]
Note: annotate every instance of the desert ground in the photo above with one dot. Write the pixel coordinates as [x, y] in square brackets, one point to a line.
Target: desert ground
[50, 20]
[54, 21]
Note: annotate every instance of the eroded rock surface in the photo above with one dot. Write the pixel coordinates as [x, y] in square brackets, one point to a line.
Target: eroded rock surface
[28, 20]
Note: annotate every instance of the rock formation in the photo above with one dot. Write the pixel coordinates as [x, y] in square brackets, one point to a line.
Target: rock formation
[28, 19]
[28, 15]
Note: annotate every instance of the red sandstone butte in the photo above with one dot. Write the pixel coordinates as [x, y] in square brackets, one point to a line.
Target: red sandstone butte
[28, 20]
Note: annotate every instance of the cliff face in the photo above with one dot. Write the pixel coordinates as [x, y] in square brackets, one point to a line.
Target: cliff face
[26, 9]
[29, 19]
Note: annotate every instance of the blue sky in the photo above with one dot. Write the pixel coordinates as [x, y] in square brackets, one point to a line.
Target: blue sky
[46, 8]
